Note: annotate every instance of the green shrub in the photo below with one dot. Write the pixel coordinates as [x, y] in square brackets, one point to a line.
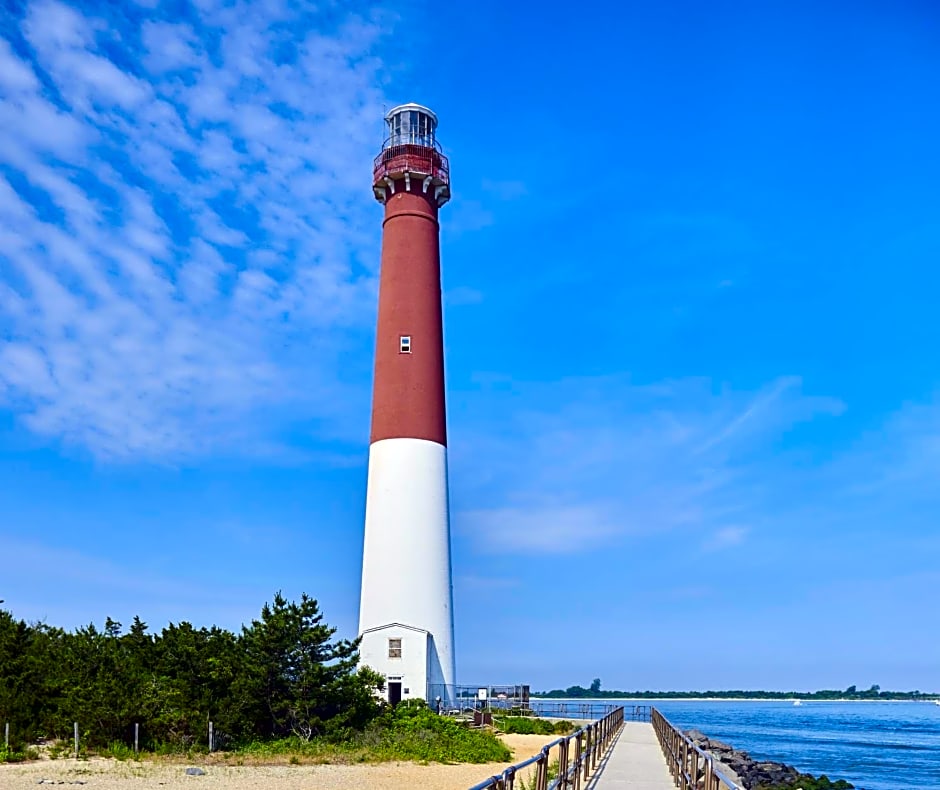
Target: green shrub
[118, 750]
[413, 732]
[17, 756]
[526, 725]
[286, 746]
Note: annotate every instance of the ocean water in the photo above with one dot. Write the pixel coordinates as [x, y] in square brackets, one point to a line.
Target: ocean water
[874, 745]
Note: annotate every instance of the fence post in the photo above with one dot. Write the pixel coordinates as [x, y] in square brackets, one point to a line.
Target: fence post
[541, 771]
[210, 737]
[136, 741]
[576, 783]
[598, 747]
[6, 736]
[75, 731]
[587, 754]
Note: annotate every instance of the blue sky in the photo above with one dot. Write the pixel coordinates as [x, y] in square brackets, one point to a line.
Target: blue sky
[690, 275]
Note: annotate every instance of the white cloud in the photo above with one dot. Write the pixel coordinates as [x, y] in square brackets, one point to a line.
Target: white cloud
[15, 76]
[545, 530]
[170, 47]
[725, 538]
[604, 459]
[182, 262]
[483, 585]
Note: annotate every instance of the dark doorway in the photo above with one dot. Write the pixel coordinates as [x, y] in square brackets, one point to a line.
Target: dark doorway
[394, 693]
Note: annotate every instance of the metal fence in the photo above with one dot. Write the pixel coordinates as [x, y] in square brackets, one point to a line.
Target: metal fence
[587, 710]
[578, 757]
[397, 159]
[467, 698]
[691, 768]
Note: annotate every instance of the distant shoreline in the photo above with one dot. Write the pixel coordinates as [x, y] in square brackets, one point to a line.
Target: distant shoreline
[791, 700]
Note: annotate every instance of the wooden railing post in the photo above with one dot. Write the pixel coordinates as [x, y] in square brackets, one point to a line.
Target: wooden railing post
[578, 755]
[675, 759]
[563, 764]
[683, 773]
[576, 762]
[588, 754]
[686, 761]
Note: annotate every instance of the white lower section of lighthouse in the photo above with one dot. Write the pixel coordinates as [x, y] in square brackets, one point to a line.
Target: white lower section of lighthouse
[406, 611]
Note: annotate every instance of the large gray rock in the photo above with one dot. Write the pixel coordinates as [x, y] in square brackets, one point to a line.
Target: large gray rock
[195, 772]
[719, 746]
[738, 767]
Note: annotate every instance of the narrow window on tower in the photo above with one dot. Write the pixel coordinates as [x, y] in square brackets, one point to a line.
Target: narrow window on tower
[405, 344]
[394, 648]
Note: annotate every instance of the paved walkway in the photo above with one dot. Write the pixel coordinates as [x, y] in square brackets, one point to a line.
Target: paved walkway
[636, 762]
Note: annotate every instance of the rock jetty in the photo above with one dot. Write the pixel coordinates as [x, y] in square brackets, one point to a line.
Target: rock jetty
[752, 774]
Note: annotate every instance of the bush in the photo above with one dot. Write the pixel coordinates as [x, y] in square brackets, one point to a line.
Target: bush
[525, 725]
[413, 732]
[118, 750]
[14, 756]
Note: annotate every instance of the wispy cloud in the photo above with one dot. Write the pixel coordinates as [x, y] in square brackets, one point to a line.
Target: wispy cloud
[725, 538]
[156, 595]
[900, 457]
[593, 463]
[186, 234]
[566, 529]
[478, 585]
[604, 459]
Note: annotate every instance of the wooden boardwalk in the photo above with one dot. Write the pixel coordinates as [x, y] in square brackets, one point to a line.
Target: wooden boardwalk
[634, 762]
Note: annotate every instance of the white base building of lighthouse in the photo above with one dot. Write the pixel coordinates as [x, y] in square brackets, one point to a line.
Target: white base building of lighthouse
[405, 613]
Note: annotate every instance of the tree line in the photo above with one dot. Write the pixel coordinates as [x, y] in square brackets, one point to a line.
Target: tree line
[850, 693]
[284, 674]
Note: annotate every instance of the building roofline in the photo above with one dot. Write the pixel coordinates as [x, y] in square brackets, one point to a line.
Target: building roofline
[394, 625]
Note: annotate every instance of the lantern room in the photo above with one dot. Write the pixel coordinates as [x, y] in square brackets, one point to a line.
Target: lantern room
[410, 124]
[411, 158]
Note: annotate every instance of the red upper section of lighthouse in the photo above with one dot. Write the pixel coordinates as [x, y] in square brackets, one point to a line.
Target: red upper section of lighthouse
[412, 180]
[419, 160]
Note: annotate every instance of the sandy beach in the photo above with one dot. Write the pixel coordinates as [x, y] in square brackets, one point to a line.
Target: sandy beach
[107, 774]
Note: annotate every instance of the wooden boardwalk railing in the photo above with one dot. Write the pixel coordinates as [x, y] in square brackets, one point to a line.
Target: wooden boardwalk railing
[578, 757]
[691, 768]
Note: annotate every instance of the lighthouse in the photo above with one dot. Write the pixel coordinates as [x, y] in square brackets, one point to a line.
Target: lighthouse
[406, 616]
